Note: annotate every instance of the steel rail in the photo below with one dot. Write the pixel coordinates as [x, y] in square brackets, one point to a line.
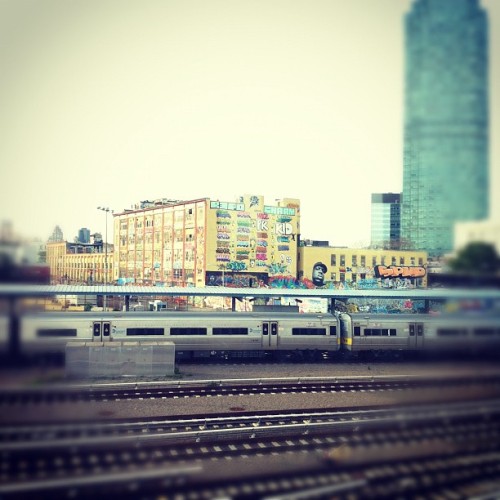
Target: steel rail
[105, 392]
[202, 477]
[266, 427]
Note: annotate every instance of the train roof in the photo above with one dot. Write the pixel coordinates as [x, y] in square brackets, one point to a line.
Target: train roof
[93, 315]
[415, 318]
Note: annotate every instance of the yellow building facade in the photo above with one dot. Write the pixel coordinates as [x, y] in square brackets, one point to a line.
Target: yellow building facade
[206, 242]
[78, 264]
[363, 267]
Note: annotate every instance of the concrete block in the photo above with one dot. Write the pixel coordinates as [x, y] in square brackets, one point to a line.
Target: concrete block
[77, 360]
[96, 359]
[128, 358]
[113, 359]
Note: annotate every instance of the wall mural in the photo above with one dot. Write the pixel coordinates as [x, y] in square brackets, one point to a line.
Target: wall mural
[251, 239]
[253, 245]
[397, 271]
[235, 279]
[318, 274]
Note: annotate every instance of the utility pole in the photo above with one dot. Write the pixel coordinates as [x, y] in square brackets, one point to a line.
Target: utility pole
[106, 210]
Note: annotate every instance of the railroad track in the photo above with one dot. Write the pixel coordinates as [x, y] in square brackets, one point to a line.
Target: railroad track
[190, 430]
[286, 454]
[187, 389]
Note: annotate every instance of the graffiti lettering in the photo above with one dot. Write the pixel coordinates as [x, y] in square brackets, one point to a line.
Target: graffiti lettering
[283, 228]
[262, 225]
[395, 271]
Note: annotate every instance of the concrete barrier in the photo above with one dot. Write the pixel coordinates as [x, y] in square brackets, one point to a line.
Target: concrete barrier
[119, 359]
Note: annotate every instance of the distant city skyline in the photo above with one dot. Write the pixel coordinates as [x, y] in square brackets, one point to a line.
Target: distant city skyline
[110, 103]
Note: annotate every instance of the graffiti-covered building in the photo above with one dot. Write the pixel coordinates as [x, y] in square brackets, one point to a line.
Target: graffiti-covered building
[207, 242]
[361, 268]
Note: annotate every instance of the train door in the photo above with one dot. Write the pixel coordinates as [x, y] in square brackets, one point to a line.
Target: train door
[416, 336]
[101, 331]
[270, 334]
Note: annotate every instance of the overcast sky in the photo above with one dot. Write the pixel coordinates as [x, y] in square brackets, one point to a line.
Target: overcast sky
[108, 102]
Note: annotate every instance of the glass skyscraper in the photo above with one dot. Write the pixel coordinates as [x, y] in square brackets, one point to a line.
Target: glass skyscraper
[386, 220]
[445, 172]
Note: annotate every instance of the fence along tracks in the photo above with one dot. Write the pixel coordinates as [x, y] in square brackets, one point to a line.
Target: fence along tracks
[322, 453]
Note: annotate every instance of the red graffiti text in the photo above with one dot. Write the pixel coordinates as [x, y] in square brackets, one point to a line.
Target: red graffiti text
[399, 272]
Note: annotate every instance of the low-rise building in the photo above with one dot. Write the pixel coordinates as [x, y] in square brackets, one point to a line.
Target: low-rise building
[206, 242]
[362, 267]
[72, 263]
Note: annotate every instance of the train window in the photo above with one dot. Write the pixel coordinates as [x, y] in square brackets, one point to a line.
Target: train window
[333, 330]
[188, 331]
[373, 332]
[484, 331]
[106, 329]
[393, 332]
[59, 332]
[265, 329]
[230, 331]
[451, 331]
[274, 328]
[145, 331]
[308, 331]
[357, 331]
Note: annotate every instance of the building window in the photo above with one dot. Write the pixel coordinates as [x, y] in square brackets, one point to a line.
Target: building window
[333, 260]
[374, 260]
[333, 276]
[382, 260]
[342, 261]
[354, 260]
[420, 261]
[401, 261]
[393, 261]
[342, 277]
[363, 261]
[354, 277]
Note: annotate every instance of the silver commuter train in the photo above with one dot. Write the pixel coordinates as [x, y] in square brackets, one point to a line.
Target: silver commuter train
[255, 334]
[455, 332]
[194, 334]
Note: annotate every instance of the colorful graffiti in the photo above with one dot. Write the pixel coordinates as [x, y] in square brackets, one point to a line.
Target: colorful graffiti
[396, 271]
[235, 279]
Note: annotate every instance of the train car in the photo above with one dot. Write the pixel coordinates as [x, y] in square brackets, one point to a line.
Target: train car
[459, 332]
[231, 334]
[471, 331]
[380, 332]
[4, 335]
[194, 334]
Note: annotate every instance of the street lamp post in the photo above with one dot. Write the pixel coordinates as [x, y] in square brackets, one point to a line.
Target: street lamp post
[106, 210]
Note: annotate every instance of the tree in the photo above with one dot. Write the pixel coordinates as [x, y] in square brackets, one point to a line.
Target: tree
[477, 258]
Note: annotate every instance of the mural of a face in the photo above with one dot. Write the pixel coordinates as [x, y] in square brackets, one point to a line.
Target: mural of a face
[318, 274]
